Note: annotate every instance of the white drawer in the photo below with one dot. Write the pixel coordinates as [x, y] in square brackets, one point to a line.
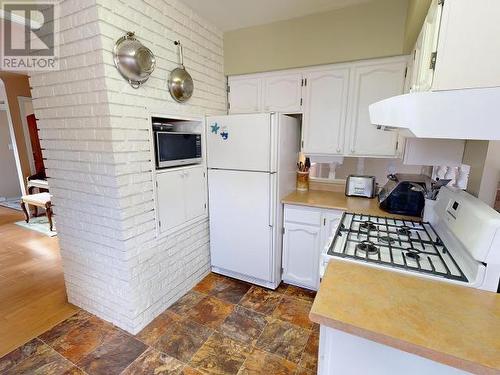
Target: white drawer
[303, 215]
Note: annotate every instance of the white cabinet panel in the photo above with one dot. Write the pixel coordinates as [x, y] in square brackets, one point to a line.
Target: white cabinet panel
[428, 40]
[181, 196]
[301, 256]
[334, 100]
[330, 221]
[245, 94]
[372, 83]
[307, 231]
[196, 193]
[170, 199]
[325, 111]
[424, 151]
[283, 93]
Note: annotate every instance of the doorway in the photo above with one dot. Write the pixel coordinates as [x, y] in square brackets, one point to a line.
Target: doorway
[11, 183]
[26, 109]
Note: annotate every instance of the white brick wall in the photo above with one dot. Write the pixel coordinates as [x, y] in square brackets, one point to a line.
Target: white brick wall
[94, 129]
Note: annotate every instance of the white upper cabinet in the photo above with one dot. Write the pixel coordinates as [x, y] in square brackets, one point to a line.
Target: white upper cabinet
[333, 100]
[371, 82]
[269, 92]
[425, 52]
[325, 110]
[454, 49]
[245, 94]
[283, 93]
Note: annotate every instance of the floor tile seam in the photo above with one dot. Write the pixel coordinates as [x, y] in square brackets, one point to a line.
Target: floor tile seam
[28, 357]
[196, 352]
[60, 355]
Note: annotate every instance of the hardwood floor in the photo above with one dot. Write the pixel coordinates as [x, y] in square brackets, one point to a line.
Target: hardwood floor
[32, 293]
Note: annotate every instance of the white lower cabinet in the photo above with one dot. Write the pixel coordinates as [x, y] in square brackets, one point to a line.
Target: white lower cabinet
[300, 255]
[306, 232]
[181, 196]
[331, 221]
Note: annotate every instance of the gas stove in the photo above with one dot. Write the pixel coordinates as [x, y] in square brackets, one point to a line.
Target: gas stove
[407, 245]
[461, 246]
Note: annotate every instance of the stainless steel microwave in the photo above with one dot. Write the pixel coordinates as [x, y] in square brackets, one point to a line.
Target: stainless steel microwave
[176, 149]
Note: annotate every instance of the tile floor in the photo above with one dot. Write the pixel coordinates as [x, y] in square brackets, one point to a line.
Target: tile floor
[221, 326]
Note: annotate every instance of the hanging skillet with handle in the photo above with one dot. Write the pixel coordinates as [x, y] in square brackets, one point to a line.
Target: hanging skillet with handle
[180, 83]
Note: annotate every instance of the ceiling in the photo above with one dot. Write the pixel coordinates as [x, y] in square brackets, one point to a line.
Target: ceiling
[236, 14]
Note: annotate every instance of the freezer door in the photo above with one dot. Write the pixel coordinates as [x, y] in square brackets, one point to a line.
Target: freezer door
[240, 142]
[241, 222]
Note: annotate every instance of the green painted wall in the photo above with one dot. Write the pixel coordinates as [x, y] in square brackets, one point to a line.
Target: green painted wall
[369, 30]
[417, 10]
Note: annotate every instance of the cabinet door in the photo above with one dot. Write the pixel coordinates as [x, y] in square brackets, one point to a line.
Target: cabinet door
[195, 186]
[330, 222]
[170, 199]
[244, 94]
[325, 111]
[301, 255]
[283, 93]
[429, 41]
[415, 65]
[372, 83]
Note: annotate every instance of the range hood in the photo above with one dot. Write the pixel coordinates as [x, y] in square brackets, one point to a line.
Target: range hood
[453, 114]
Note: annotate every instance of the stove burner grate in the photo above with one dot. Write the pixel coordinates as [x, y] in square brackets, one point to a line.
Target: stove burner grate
[412, 255]
[404, 231]
[405, 244]
[367, 225]
[387, 239]
[367, 247]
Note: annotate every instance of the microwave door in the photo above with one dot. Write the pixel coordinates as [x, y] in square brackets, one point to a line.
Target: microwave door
[177, 149]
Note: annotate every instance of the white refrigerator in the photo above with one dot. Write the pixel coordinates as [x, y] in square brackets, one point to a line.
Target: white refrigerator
[251, 166]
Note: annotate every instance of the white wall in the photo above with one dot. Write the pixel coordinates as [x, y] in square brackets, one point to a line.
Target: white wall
[377, 167]
[9, 183]
[95, 130]
[490, 180]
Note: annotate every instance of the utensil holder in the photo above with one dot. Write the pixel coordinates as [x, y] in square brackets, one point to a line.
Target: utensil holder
[302, 181]
[429, 213]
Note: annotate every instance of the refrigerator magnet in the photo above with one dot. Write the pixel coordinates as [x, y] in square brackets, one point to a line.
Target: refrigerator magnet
[215, 128]
[224, 133]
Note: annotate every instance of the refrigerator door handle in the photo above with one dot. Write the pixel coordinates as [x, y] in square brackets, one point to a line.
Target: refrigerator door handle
[272, 198]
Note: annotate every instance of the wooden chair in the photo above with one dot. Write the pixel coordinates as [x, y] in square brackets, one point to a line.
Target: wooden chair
[37, 200]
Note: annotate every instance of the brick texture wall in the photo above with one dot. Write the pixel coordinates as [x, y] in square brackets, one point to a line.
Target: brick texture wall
[95, 131]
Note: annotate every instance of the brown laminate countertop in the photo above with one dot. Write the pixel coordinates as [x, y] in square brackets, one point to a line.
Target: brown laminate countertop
[338, 201]
[451, 324]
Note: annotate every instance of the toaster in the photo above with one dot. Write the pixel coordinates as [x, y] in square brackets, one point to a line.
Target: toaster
[360, 186]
